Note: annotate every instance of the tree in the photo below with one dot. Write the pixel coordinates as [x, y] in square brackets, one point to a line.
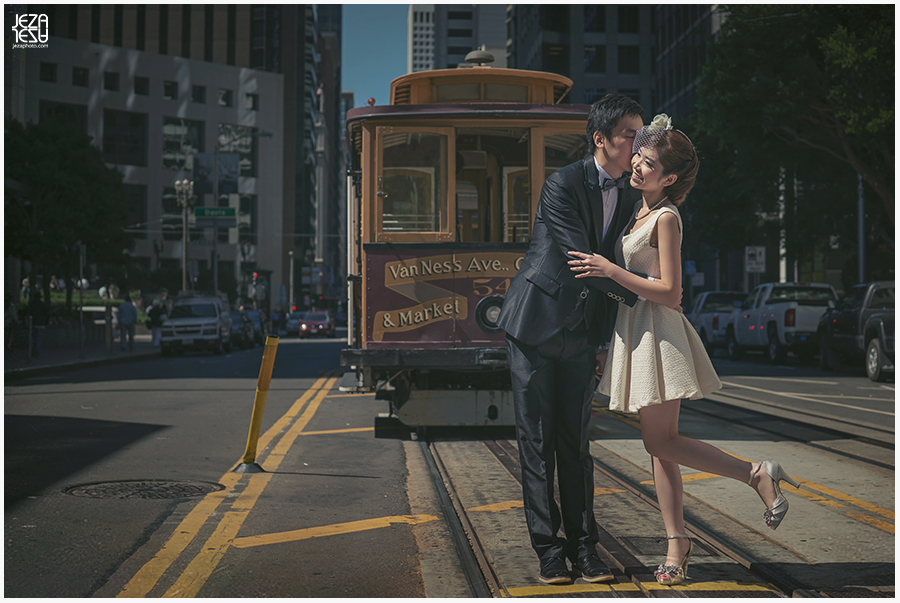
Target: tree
[810, 84]
[69, 195]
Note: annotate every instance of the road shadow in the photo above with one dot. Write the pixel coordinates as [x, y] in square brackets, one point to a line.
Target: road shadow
[42, 451]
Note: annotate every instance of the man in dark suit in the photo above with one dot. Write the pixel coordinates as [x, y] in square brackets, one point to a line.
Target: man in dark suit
[554, 324]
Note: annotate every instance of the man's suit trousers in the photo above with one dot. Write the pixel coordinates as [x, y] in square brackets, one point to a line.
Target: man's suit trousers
[553, 384]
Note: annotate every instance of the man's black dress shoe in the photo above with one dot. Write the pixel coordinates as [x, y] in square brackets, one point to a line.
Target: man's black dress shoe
[592, 569]
[555, 571]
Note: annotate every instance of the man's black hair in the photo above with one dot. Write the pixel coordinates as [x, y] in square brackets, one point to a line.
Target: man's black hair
[606, 114]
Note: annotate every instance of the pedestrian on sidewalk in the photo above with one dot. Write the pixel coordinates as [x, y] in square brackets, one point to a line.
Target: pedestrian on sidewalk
[39, 318]
[127, 319]
[157, 314]
[656, 358]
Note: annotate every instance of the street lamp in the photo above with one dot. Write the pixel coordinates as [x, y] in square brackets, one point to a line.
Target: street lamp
[184, 192]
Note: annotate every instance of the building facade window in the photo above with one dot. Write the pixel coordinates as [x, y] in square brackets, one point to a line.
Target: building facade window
[198, 94]
[111, 81]
[555, 58]
[225, 97]
[629, 19]
[66, 113]
[48, 72]
[170, 90]
[629, 59]
[124, 137]
[591, 95]
[595, 59]
[181, 139]
[251, 102]
[80, 76]
[136, 208]
[595, 18]
[240, 140]
[142, 85]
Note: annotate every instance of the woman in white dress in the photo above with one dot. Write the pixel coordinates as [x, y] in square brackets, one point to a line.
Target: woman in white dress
[656, 358]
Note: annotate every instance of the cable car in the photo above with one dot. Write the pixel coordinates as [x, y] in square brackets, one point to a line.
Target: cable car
[442, 191]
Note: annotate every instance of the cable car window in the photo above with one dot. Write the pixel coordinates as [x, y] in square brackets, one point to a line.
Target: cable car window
[492, 175]
[412, 184]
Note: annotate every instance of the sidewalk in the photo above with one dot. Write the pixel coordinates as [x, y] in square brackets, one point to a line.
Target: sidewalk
[17, 364]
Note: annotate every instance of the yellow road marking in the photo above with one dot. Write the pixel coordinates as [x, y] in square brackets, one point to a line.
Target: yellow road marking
[500, 506]
[550, 589]
[566, 589]
[690, 477]
[198, 571]
[331, 530]
[887, 527]
[849, 499]
[147, 577]
[602, 491]
[708, 586]
[202, 566]
[808, 494]
[333, 431]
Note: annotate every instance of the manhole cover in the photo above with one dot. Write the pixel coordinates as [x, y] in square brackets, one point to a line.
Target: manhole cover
[145, 488]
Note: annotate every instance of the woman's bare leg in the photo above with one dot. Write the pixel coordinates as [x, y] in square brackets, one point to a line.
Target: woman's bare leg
[659, 430]
[669, 493]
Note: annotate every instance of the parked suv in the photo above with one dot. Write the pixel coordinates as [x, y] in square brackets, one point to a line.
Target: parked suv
[200, 322]
[860, 326]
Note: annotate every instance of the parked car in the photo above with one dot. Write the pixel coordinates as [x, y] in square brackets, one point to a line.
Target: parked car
[709, 316]
[200, 322]
[260, 331]
[293, 322]
[317, 323]
[777, 318]
[860, 326]
[242, 331]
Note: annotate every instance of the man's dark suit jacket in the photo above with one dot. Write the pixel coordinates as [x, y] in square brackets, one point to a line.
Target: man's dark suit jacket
[545, 294]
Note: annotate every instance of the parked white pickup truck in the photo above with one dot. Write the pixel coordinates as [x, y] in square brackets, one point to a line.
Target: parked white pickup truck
[777, 318]
[709, 316]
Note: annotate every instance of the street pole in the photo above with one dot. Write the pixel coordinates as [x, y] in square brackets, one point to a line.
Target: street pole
[80, 300]
[215, 266]
[291, 283]
[184, 192]
[861, 227]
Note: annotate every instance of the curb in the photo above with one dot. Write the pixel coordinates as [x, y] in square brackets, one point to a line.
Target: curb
[37, 371]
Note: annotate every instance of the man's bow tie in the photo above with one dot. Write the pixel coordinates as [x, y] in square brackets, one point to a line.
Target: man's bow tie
[609, 183]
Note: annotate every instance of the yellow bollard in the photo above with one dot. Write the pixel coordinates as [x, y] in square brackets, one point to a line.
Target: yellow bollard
[249, 464]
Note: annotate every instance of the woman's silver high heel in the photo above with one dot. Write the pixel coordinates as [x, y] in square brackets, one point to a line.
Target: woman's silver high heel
[671, 575]
[774, 514]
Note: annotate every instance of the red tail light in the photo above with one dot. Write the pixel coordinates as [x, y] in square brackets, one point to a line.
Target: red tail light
[790, 318]
[715, 322]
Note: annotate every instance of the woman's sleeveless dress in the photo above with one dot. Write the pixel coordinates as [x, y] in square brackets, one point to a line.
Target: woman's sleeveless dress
[655, 354]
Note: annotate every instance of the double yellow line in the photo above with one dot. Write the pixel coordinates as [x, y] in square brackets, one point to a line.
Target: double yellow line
[204, 563]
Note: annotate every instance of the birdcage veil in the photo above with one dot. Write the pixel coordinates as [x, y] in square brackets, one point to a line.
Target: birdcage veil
[650, 134]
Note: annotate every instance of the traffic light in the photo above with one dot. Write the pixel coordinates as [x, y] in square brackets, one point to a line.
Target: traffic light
[255, 276]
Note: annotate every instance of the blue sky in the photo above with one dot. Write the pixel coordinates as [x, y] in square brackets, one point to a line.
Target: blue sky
[373, 50]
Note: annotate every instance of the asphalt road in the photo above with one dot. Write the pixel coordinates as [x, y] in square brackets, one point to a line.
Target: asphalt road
[186, 419]
[183, 419]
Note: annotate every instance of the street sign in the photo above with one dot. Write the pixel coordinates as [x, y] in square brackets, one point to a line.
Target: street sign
[214, 212]
[215, 223]
[690, 268]
[755, 258]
